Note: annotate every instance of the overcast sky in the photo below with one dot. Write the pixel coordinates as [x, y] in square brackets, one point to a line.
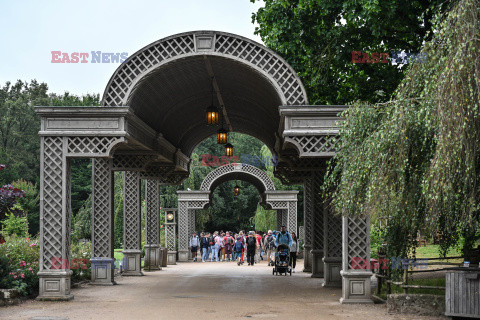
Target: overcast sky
[30, 30]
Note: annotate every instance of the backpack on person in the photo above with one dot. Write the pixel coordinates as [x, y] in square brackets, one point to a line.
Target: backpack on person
[251, 242]
[238, 246]
[270, 242]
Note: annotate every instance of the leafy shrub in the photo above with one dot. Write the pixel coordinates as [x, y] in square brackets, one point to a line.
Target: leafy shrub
[14, 225]
[29, 204]
[377, 238]
[22, 255]
[80, 255]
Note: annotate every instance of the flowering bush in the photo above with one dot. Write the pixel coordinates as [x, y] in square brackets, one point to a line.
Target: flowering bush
[19, 264]
[80, 254]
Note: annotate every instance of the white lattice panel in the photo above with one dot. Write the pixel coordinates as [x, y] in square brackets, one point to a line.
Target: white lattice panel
[333, 235]
[318, 213]
[266, 60]
[171, 48]
[99, 146]
[358, 239]
[308, 211]
[278, 204]
[200, 204]
[291, 222]
[52, 202]
[191, 222]
[152, 219]
[183, 225]
[317, 144]
[279, 219]
[102, 207]
[126, 162]
[237, 168]
[131, 216]
[170, 237]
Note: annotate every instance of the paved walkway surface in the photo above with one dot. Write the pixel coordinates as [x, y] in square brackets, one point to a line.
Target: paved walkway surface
[217, 290]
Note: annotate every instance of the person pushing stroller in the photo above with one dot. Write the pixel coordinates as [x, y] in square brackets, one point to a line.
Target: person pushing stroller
[283, 242]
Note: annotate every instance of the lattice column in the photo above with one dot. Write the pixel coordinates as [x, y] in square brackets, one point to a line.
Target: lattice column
[103, 265]
[152, 226]
[318, 226]
[308, 223]
[171, 237]
[279, 218]
[191, 227]
[356, 257]
[291, 217]
[332, 248]
[54, 274]
[132, 224]
[183, 217]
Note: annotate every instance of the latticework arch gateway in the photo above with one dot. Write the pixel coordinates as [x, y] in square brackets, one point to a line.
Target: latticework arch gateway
[284, 202]
[151, 119]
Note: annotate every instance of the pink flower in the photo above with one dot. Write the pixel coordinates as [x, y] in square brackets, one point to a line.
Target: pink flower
[28, 264]
[28, 239]
[14, 277]
[22, 263]
[22, 275]
[30, 269]
[33, 245]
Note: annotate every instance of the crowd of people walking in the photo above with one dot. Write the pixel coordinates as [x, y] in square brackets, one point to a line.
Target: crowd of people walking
[254, 246]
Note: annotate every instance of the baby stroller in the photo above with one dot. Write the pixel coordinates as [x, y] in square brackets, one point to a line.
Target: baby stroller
[282, 260]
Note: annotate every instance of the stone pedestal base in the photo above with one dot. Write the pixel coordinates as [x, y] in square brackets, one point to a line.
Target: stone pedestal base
[317, 264]
[356, 286]
[132, 263]
[54, 285]
[152, 257]
[182, 255]
[172, 257]
[307, 259]
[332, 268]
[103, 271]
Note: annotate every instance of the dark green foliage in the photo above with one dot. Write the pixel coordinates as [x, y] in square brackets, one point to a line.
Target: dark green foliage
[415, 159]
[29, 205]
[317, 38]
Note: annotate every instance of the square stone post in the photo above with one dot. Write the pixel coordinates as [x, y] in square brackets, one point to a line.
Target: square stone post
[318, 227]
[54, 274]
[332, 248]
[103, 262]
[132, 224]
[356, 251]
[152, 226]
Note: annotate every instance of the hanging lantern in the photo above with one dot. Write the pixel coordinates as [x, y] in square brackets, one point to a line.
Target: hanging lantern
[222, 136]
[212, 115]
[228, 150]
[236, 190]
